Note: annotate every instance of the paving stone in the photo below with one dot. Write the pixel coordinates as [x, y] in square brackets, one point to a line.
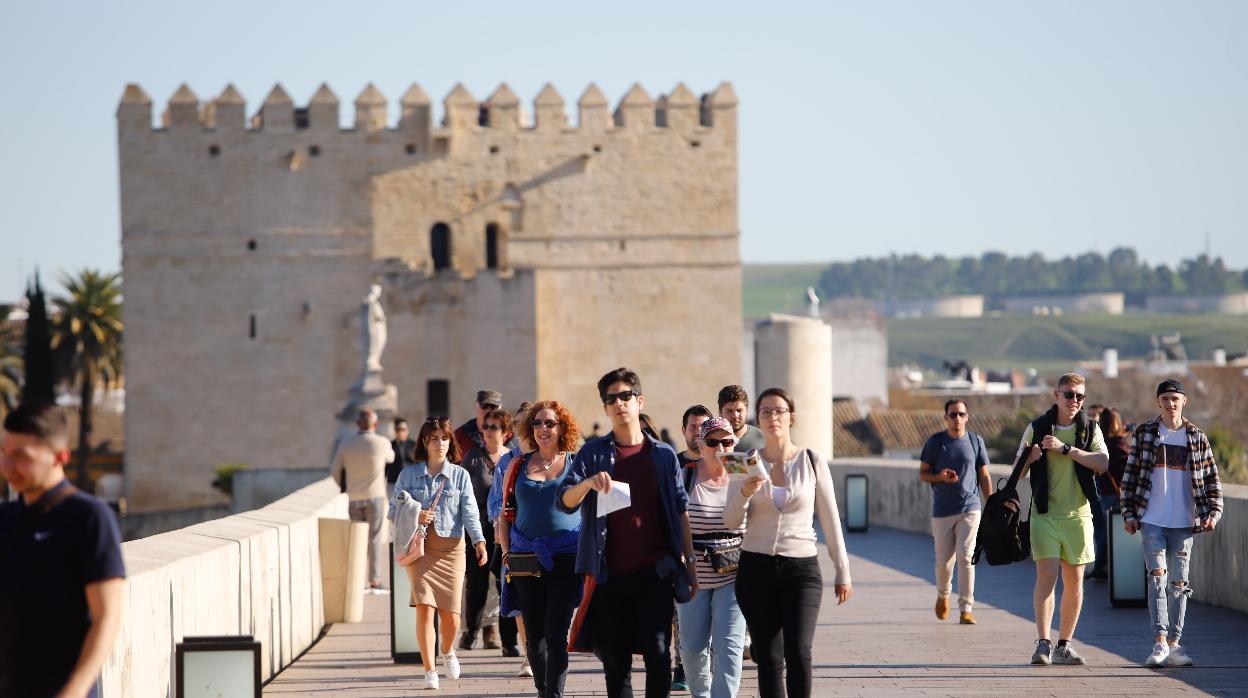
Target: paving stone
[885, 641]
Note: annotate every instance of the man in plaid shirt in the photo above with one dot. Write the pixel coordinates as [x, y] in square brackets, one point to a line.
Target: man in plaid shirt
[1170, 491]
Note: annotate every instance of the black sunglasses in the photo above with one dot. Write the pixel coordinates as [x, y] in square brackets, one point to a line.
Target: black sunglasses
[548, 423]
[716, 443]
[1072, 395]
[951, 415]
[624, 395]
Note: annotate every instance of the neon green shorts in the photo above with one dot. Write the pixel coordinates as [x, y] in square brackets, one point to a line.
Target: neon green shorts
[1064, 537]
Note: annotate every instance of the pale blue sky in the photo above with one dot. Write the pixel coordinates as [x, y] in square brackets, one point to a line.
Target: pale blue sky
[866, 127]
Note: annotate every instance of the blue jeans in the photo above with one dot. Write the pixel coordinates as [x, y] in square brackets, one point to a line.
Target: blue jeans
[712, 624]
[1169, 550]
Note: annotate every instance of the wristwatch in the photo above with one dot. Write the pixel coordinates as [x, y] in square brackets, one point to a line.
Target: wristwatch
[1065, 449]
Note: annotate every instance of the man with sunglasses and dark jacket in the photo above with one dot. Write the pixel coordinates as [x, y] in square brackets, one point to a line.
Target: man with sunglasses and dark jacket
[640, 556]
[1064, 451]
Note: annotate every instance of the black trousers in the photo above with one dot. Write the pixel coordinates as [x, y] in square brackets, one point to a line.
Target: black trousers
[547, 604]
[507, 633]
[477, 585]
[634, 611]
[779, 597]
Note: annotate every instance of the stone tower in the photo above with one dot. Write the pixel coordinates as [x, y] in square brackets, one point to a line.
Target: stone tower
[525, 257]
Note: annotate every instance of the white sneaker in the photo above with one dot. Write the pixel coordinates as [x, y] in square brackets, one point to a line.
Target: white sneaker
[451, 662]
[526, 671]
[1161, 651]
[431, 680]
[1178, 657]
[380, 591]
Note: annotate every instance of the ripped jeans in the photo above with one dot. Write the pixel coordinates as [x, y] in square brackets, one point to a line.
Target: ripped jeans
[1169, 550]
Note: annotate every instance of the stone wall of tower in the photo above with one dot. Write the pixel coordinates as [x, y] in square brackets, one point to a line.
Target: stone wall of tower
[247, 250]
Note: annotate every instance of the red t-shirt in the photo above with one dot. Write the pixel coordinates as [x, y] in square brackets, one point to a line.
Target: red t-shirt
[636, 534]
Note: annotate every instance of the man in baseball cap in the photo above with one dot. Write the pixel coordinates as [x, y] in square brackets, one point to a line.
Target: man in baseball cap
[1170, 491]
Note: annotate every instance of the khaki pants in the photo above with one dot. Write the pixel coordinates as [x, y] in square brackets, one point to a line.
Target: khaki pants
[374, 512]
[955, 536]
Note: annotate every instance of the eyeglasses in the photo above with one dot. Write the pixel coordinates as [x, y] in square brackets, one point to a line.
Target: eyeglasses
[623, 396]
[769, 412]
[487, 406]
[1072, 395]
[716, 443]
[952, 415]
[548, 423]
[491, 427]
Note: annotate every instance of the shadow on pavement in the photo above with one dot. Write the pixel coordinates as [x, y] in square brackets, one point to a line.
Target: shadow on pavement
[1215, 637]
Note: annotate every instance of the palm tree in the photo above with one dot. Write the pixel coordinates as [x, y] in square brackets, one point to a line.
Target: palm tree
[11, 370]
[86, 336]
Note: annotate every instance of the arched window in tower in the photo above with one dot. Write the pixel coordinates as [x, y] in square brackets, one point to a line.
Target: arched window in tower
[491, 246]
[440, 246]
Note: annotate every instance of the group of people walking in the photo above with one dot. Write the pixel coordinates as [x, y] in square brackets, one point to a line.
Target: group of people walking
[600, 544]
[1081, 465]
[619, 545]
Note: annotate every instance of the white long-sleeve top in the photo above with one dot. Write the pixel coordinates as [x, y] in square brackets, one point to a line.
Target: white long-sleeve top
[791, 532]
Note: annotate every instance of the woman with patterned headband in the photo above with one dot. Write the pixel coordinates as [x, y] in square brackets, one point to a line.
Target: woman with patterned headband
[711, 623]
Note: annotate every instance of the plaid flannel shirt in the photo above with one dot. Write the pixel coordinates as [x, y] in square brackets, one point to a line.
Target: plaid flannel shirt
[1137, 478]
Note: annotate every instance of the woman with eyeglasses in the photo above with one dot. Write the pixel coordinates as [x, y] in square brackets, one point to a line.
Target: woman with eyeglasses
[779, 585]
[539, 542]
[480, 462]
[712, 629]
[448, 510]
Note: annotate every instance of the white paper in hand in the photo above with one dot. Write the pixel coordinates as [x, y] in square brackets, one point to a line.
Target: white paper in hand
[617, 498]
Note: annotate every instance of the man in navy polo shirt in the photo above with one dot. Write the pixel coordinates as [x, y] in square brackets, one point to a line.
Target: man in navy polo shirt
[61, 572]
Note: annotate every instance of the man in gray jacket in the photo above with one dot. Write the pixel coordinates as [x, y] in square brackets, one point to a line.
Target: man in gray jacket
[363, 458]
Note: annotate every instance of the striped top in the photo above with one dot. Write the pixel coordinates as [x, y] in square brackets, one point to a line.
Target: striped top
[706, 515]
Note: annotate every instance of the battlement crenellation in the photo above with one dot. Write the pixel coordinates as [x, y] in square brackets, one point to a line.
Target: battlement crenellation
[502, 111]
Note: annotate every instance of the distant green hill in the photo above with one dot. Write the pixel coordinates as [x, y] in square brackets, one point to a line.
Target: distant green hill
[1017, 341]
[777, 288]
[1045, 343]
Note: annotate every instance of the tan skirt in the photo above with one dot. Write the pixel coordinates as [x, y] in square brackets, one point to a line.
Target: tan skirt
[438, 576]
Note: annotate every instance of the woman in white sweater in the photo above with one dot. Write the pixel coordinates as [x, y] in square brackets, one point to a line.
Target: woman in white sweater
[779, 585]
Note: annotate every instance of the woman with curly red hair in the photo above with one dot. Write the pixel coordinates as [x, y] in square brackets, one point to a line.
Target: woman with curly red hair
[539, 541]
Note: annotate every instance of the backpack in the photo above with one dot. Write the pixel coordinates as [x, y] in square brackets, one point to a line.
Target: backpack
[1002, 532]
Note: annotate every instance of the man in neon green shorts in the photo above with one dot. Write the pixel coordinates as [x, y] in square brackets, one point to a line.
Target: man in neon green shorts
[1064, 450]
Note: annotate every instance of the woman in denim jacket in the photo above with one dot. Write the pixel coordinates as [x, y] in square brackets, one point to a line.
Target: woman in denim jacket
[448, 509]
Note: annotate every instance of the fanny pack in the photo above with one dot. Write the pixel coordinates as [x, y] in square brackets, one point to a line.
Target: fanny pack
[528, 564]
[722, 558]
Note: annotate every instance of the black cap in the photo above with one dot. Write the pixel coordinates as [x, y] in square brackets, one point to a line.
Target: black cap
[1170, 386]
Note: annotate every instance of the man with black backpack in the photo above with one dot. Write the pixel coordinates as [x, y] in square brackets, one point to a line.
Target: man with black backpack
[1063, 450]
[955, 463]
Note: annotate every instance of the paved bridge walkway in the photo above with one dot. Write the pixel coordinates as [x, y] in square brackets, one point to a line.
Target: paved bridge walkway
[886, 641]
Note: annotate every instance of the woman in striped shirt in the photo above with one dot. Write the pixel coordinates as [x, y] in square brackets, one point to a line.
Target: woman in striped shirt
[712, 629]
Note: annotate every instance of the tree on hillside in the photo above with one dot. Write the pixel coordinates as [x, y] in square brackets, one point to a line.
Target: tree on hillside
[86, 337]
[908, 277]
[39, 371]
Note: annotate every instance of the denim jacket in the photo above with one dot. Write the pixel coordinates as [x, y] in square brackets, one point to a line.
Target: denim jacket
[494, 503]
[456, 510]
[598, 455]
